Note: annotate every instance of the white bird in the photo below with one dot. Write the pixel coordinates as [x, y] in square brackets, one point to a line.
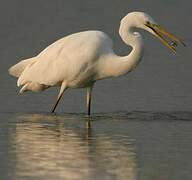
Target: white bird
[81, 59]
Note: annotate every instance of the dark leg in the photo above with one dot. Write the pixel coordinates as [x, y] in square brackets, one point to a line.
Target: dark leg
[89, 94]
[62, 89]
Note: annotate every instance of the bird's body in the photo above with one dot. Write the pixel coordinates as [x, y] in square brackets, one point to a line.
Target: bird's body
[80, 59]
[74, 59]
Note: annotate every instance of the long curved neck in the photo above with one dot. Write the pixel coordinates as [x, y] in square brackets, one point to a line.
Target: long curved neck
[119, 65]
[134, 39]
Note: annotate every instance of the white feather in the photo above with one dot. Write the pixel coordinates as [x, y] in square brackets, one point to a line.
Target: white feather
[18, 68]
[80, 59]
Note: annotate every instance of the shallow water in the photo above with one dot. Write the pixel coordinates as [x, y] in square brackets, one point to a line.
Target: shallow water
[127, 145]
[149, 138]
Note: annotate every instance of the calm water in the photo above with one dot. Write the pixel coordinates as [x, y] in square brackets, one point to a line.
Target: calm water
[150, 136]
[131, 146]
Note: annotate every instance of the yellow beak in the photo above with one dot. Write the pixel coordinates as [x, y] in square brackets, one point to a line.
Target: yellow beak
[159, 32]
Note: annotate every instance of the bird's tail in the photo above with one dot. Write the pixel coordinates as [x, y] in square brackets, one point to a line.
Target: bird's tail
[17, 69]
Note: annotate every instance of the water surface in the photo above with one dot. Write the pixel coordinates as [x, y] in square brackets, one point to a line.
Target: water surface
[150, 136]
[126, 145]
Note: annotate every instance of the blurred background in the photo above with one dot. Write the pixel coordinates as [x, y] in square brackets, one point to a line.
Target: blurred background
[162, 81]
[141, 128]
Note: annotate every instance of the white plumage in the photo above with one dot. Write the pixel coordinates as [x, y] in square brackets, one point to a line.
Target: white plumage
[80, 59]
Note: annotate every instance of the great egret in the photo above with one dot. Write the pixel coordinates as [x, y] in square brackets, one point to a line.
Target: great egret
[80, 59]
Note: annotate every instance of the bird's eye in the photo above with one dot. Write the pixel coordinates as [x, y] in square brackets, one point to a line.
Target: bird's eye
[147, 22]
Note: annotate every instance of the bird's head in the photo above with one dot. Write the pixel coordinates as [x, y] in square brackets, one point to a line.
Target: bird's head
[146, 22]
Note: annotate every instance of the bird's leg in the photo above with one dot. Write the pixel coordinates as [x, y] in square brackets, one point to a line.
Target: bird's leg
[89, 93]
[62, 89]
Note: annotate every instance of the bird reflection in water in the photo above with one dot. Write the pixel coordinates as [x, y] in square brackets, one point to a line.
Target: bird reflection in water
[69, 147]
